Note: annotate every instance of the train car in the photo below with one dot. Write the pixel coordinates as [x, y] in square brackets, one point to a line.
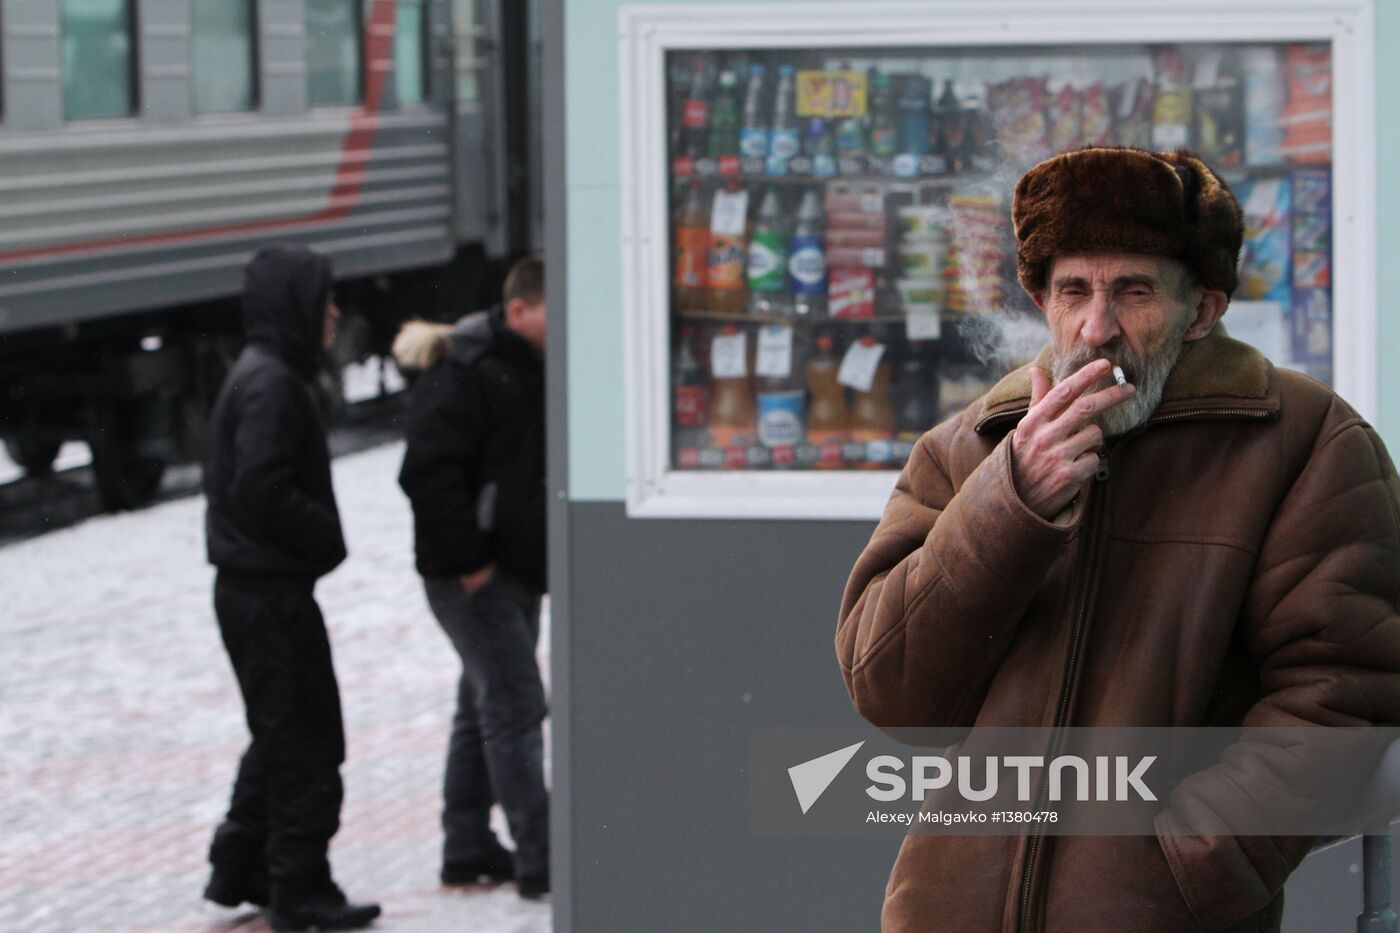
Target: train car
[148, 147]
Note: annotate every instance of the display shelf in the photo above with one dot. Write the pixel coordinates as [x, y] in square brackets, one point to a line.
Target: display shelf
[745, 318]
[944, 178]
[986, 111]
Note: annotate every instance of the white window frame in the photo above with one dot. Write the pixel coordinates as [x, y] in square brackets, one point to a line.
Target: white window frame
[647, 33]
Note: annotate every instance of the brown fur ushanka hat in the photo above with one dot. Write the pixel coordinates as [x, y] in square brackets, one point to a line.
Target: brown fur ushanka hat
[1123, 200]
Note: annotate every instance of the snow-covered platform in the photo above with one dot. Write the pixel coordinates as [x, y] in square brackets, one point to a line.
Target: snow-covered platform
[121, 726]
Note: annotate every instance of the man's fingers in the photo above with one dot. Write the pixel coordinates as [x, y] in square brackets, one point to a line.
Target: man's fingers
[1040, 385]
[1086, 440]
[1061, 397]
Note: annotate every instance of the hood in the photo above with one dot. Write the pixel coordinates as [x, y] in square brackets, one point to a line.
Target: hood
[285, 290]
[472, 336]
[475, 334]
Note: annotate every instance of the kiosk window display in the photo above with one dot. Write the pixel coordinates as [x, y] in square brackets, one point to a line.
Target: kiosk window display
[839, 263]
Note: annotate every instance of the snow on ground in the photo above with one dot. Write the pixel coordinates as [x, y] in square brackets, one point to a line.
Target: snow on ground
[121, 723]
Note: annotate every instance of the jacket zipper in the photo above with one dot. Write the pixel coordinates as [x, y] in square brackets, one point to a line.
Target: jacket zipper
[1018, 413]
[1233, 412]
[1071, 664]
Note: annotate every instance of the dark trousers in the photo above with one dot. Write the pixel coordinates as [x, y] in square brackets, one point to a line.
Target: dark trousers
[496, 751]
[286, 799]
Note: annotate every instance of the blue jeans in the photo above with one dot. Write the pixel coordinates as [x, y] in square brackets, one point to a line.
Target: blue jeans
[496, 752]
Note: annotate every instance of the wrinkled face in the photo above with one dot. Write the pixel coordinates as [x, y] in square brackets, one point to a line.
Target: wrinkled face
[528, 321]
[328, 323]
[1130, 309]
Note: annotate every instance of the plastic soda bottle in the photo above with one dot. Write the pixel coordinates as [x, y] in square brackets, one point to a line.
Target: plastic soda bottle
[692, 393]
[786, 141]
[884, 131]
[725, 266]
[753, 137]
[914, 117]
[807, 263]
[915, 405]
[692, 251]
[820, 147]
[724, 117]
[782, 409]
[695, 117]
[872, 416]
[768, 258]
[732, 415]
[828, 421]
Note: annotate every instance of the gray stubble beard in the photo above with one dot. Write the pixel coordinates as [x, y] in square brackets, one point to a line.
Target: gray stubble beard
[1149, 376]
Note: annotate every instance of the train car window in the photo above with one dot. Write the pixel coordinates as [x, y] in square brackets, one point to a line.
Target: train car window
[99, 61]
[468, 63]
[410, 60]
[333, 55]
[224, 56]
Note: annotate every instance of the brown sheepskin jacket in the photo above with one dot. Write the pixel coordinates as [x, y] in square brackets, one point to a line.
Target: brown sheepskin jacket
[1239, 564]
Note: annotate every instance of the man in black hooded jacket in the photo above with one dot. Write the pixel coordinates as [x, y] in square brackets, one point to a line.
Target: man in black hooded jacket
[474, 470]
[273, 529]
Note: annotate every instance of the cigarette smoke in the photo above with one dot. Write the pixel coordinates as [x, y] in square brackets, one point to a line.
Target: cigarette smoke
[1002, 331]
[1004, 338]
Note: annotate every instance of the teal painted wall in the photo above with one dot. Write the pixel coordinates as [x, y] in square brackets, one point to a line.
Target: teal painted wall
[596, 432]
[1388, 211]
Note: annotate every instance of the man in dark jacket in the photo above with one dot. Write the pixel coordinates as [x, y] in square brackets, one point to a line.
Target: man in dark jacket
[474, 470]
[273, 529]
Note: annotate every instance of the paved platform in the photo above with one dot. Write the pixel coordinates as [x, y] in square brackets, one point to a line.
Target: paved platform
[121, 725]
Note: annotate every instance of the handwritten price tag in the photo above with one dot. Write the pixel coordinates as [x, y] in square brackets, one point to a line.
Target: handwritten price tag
[923, 325]
[729, 356]
[859, 365]
[731, 210]
[774, 352]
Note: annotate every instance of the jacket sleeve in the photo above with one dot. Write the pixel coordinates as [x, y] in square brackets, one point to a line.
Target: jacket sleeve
[447, 425]
[1320, 619]
[274, 417]
[937, 594]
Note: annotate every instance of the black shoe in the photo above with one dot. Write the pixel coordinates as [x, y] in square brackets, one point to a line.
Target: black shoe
[499, 865]
[230, 888]
[325, 913]
[534, 887]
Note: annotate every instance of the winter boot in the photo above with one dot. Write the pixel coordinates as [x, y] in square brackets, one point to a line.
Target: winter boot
[229, 888]
[496, 865]
[326, 909]
[534, 886]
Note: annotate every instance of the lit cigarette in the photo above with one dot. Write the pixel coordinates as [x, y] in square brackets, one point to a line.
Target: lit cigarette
[1118, 374]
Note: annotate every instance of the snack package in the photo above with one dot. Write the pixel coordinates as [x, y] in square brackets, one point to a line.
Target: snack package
[977, 253]
[1307, 118]
[851, 292]
[1311, 311]
[1065, 118]
[1219, 122]
[1132, 113]
[1311, 314]
[1312, 192]
[1018, 113]
[1264, 96]
[1096, 125]
[1264, 260]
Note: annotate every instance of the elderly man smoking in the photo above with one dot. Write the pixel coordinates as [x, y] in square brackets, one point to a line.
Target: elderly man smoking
[1214, 542]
